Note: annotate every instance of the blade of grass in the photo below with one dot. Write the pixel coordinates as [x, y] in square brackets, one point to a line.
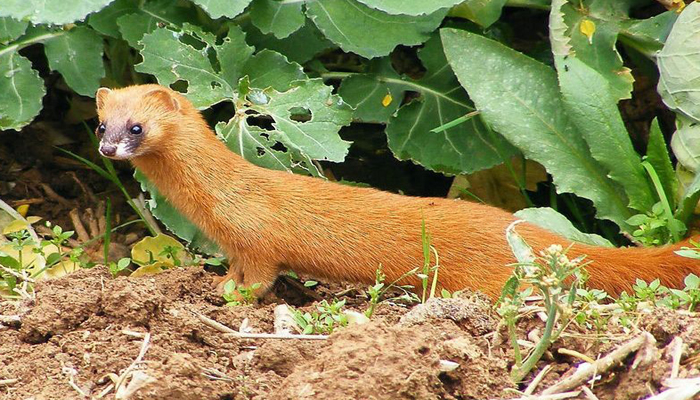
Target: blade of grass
[664, 200]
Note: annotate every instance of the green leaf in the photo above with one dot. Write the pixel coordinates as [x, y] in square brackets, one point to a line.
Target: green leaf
[254, 144]
[149, 250]
[592, 107]
[464, 148]
[301, 46]
[11, 29]
[368, 32]
[689, 200]
[105, 21]
[519, 98]
[649, 35]
[271, 69]
[169, 58]
[173, 220]
[679, 64]
[223, 8]
[686, 143]
[77, 55]
[658, 157]
[553, 221]
[599, 51]
[130, 20]
[276, 17]
[409, 7]
[50, 12]
[367, 93]
[318, 137]
[482, 12]
[21, 90]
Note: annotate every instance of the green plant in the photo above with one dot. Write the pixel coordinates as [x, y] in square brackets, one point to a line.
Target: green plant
[327, 318]
[556, 278]
[236, 295]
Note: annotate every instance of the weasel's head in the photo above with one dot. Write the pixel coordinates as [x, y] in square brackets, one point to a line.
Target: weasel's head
[135, 121]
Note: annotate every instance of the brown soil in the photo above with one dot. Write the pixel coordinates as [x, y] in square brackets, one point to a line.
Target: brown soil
[83, 327]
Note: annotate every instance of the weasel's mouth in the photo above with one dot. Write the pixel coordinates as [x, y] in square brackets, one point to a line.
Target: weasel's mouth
[120, 151]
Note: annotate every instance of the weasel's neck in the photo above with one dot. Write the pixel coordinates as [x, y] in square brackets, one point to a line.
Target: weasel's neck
[203, 179]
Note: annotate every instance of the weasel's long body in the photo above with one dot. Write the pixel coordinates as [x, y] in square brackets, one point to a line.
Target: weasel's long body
[267, 221]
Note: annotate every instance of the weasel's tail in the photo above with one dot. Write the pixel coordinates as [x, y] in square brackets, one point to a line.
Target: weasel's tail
[616, 269]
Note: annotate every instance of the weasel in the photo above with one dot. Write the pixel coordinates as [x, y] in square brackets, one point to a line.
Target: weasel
[268, 221]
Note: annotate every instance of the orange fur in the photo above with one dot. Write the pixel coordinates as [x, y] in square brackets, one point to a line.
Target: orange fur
[267, 221]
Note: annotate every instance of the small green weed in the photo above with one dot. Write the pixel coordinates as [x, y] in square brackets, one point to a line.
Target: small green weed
[236, 295]
[329, 317]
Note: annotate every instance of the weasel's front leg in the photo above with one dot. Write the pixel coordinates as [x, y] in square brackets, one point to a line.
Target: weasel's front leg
[247, 274]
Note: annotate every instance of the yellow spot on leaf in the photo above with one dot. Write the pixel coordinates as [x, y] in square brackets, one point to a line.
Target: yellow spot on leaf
[387, 100]
[22, 210]
[587, 27]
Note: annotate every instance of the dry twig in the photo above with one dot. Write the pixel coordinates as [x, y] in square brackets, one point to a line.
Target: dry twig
[586, 371]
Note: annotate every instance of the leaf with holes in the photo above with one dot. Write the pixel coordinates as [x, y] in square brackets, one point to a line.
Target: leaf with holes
[464, 148]
[253, 143]
[21, 91]
[169, 56]
[276, 17]
[77, 55]
[307, 118]
[51, 12]
[369, 32]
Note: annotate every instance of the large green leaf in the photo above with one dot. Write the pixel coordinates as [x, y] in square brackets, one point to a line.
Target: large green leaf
[375, 95]
[592, 107]
[410, 7]
[519, 98]
[50, 12]
[168, 57]
[253, 143]
[130, 19]
[301, 46]
[11, 29]
[679, 64]
[277, 17]
[368, 32]
[77, 55]
[464, 148]
[21, 90]
[658, 157]
[223, 8]
[553, 221]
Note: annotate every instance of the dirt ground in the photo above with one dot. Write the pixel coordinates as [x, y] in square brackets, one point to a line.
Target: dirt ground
[83, 331]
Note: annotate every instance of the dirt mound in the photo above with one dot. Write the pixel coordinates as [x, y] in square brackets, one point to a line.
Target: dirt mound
[83, 331]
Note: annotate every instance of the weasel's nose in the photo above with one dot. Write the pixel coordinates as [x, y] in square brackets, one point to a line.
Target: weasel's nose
[108, 150]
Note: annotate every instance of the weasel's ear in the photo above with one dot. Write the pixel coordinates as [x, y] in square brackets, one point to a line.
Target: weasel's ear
[167, 99]
[101, 96]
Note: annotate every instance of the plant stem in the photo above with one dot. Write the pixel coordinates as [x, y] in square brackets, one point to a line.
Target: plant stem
[514, 342]
[30, 41]
[518, 374]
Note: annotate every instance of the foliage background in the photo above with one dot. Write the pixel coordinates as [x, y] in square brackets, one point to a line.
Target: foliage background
[455, 87]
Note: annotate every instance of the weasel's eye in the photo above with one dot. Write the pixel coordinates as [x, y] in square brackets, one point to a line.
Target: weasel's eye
[136, 129]
[101, 129]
